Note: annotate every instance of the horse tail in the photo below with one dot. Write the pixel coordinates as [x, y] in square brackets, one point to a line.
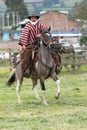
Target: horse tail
[12, 78]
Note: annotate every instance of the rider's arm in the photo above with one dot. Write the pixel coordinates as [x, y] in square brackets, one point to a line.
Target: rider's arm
[25, 36]
[42, 26]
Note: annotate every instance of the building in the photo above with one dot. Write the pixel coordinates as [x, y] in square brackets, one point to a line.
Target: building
[62, 27]
[58, 21]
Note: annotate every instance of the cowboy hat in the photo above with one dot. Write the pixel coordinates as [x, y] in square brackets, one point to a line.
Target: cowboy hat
[33, 15]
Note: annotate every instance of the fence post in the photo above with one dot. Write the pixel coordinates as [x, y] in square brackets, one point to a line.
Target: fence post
[73, 58]
[10, 58]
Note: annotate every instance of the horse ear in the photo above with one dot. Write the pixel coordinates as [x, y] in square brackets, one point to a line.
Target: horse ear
[49, 28]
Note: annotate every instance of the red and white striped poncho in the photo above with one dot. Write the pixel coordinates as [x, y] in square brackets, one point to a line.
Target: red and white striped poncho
[30, 31]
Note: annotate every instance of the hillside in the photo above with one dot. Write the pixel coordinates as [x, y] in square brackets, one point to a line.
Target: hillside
[67, 2]
[71, 2]
[37, 5]
[29, 3]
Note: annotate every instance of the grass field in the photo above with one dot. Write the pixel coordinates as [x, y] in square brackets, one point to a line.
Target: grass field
[68, 112]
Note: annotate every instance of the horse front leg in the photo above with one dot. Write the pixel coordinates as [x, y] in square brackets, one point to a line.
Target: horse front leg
[43, 92]
[54, 77]
[35, 90]
[58, 89]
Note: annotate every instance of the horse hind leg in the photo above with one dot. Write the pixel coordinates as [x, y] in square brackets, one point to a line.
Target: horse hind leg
[19, 76]
[19, 83]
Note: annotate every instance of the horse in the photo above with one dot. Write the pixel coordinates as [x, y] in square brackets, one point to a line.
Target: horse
[43, 68]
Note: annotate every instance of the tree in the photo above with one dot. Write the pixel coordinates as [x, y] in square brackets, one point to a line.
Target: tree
[79, 11]
[17, 6]
[83, 40]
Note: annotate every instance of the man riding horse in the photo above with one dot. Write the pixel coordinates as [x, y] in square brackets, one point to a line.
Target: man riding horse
[29, 36]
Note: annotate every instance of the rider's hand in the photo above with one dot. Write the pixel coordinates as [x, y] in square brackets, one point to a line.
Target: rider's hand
[38, 35]
[24, 47]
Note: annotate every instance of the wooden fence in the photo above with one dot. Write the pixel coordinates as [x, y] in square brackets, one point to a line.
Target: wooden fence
[72, 60]
[75, 58]
[11, 53]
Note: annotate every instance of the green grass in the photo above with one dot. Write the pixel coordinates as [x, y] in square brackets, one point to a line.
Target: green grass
[68, 112]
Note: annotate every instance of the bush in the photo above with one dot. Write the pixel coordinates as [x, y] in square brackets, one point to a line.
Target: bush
[83, 40]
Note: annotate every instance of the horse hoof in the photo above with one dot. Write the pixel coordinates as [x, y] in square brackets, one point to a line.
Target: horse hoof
[57, 96]
[19, 102]
[45, 103]
[39, 100]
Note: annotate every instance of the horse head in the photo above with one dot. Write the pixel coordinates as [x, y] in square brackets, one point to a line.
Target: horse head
[57, 47]
[46, 37]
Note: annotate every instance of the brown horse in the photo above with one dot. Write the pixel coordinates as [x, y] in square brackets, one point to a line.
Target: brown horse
[42, 69]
